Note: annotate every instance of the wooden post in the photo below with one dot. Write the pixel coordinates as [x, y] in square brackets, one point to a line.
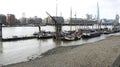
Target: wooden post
[58, 30]
[1, 47]
[71, 19]
[0, 30]
[0, 36]
[39, 28]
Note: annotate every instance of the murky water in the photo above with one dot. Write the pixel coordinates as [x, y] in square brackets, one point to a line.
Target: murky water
[19, 51]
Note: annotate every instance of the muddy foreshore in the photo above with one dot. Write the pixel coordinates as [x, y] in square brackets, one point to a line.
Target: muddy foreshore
[98, 54]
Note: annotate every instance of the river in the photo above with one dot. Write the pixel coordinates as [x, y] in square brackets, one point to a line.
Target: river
[19, 51]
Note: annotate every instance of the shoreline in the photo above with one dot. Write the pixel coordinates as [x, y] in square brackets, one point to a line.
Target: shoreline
[97, 54]
[58, 50]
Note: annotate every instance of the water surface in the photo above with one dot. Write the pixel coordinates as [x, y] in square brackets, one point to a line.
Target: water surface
[19, 51]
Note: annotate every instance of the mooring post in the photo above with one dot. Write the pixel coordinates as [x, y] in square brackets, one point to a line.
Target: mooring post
[0, 31]
[39, 28]
[58, 31]
[0, 36]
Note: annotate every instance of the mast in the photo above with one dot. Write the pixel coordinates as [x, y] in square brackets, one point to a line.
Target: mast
[56, 7]
[98, 16]
[75, 20]
[71, 18]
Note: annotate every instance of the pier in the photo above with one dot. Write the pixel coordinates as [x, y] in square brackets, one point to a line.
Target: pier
[14, 38]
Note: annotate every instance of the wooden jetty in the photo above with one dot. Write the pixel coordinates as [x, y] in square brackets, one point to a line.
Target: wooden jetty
[14, 38]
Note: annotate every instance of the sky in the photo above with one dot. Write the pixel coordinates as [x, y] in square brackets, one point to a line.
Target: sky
[108, 8]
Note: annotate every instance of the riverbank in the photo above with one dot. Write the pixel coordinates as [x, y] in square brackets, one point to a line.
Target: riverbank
[98, 54]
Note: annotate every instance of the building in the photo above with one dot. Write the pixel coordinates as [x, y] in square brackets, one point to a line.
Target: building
[81, 21]
[37, 20]
[10, 19]
[30, 20]
[34, 20]
[75, 20]
[3, 19]
[89, 17]
[46, 20]
[49, 20]
[107, 21]
[23, 20]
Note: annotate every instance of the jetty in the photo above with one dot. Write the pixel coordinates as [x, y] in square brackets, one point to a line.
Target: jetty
[15, 38]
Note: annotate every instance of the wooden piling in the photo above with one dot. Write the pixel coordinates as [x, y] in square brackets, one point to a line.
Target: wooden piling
[0, 37]
[39, 28]
[58, 30]
[0, 30]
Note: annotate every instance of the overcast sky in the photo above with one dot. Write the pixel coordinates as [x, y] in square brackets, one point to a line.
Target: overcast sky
[31, 8]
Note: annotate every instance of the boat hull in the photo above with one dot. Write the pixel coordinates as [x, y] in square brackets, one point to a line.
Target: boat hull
[91, 35]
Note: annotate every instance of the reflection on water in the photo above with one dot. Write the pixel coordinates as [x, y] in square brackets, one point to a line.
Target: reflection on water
[1, 47]
[18, 51]
[21, 50]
